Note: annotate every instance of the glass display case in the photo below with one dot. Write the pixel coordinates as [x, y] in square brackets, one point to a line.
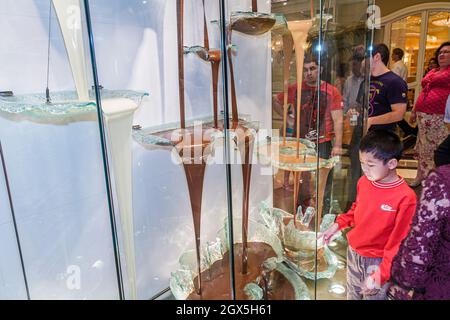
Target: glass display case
[178, 149]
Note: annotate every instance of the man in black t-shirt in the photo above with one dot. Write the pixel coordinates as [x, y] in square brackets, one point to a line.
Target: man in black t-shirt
[388, 92]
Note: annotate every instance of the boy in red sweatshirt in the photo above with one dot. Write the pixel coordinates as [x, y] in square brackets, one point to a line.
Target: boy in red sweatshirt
[380, 217]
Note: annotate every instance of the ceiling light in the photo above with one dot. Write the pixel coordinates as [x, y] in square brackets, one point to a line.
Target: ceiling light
[336, 288]
[442, 22]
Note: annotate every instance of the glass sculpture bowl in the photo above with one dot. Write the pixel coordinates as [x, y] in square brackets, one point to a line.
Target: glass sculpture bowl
[64, 105]
[182, 280]
[251, 23]
[301, 248]
[284, 155]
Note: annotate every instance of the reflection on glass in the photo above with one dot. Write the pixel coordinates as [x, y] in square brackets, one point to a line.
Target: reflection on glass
[405, 34]
[343, 32]
[159, 170]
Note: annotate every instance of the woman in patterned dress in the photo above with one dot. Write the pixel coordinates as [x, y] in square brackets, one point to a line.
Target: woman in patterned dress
[421, 268]
[429, 113]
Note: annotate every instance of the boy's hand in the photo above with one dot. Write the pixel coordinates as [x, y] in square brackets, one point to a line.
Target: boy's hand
[329, 233]
[337, 151]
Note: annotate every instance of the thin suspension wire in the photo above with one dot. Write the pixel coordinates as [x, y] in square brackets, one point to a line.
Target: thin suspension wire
[47, 91]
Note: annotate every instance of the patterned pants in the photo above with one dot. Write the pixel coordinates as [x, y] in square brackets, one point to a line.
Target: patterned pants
[358, 269]
[432, 131]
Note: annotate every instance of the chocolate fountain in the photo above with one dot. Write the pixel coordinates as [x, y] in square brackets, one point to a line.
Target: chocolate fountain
[244, 141]
[302, 252]
[261, 273]
[195, 143]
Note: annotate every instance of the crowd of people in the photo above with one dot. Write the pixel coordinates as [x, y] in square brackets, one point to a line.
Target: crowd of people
[399, 246]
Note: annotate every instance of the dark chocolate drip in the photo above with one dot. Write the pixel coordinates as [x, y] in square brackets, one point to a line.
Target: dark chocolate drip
[205, 29]
[214, 57]
[194, 164]
[255, 5]
[195, 174]
[234, 110]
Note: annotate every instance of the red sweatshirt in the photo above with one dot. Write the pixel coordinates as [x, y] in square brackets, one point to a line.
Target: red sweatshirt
[381, 217]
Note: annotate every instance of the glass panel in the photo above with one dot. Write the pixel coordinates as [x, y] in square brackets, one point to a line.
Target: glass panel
[438, 32]
[252, 24]
[329, 138]
[405, 34]
[52, 154]
[172, 201]
[345, 42]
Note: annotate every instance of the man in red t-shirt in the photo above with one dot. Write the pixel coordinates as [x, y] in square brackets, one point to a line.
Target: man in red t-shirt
[329, 116]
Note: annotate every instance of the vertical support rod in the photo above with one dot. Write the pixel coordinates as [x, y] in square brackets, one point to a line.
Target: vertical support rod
[104, 154]
[180, 50]
[320, 47]
[223, 48]
[11, 205]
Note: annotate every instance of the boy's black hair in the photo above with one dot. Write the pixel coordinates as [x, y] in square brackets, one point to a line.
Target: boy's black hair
[309, 57]
[383, 50]
[384, 145]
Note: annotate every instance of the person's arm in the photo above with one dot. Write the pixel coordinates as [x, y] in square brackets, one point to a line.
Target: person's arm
[347, 220]
[346, 95]
[410, 268]
[399, 232]
[337, 116]
[397, 113]
[277, 103]
[343, 221]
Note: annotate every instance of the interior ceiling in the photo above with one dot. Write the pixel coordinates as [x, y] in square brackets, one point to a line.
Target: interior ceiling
[407, 31]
